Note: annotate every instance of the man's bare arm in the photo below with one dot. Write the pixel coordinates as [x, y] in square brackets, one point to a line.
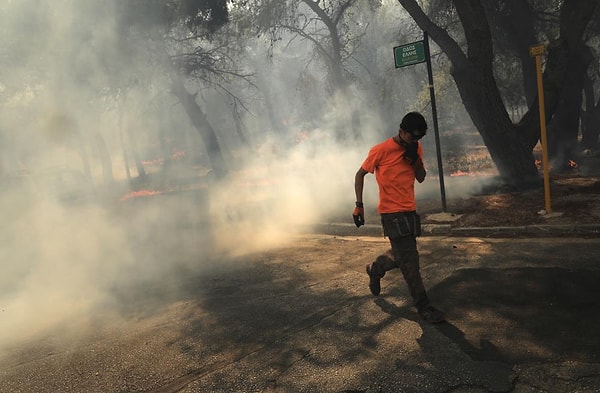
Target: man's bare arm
[359, 183]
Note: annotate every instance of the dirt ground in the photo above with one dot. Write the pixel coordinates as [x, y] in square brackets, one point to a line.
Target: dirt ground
[574, 192]
[576, 197]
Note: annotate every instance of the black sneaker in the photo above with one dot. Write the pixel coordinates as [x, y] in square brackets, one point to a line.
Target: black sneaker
[432, 315]
[374, 284]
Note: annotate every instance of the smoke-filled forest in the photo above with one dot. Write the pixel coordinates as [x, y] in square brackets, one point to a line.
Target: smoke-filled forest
[142, 138]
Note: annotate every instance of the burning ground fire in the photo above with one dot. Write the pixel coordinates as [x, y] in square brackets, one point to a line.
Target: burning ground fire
[245, 182]
[472, 173]
[474, 162]
[538, 163]
[140, 193]
[149, 193]
[177, 155]
[570, 164]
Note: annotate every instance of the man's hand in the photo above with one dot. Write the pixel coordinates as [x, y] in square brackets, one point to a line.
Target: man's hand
[359, 214]
[411, 152]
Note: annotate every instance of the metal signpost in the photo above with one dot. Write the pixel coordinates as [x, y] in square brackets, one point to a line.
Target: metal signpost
[415, 53]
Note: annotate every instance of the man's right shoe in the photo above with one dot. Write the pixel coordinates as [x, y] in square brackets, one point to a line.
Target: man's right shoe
[432, 314]
[374, 284]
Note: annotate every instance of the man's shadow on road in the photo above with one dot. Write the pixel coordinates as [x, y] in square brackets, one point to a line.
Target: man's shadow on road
[486, 352]
[454, 365]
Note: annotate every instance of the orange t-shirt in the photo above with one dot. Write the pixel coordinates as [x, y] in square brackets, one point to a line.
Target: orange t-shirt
[395, 176]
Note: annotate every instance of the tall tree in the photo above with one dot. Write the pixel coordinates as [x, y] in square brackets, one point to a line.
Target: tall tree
[590, 115]
[590, 118]
[510, 145]
[517, 25]
[182, 32]
[325, 25]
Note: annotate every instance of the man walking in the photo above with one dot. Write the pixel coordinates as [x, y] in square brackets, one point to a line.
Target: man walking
[397, 162]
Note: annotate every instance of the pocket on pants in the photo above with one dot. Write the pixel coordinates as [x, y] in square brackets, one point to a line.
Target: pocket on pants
[397, 225]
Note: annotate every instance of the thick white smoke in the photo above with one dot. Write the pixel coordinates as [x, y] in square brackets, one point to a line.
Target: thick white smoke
[77, 111]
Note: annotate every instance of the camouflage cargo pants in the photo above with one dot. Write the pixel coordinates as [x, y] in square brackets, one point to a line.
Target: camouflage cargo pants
[404, 255]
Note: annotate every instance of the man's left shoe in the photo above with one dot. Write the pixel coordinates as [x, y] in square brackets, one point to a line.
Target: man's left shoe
[374, 281]
[431, 314]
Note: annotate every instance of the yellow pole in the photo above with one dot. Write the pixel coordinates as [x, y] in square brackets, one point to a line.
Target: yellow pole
[544, 139]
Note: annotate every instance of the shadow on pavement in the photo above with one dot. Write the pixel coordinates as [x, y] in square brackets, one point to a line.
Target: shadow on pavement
[552, 313]
[269, 316]
[450, 355]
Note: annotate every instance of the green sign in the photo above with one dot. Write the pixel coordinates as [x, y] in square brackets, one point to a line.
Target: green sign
[409, 54]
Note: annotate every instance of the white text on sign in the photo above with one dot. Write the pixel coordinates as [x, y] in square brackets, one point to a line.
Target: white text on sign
[409, 51]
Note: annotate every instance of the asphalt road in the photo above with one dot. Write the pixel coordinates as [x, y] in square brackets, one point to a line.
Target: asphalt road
[523, 316]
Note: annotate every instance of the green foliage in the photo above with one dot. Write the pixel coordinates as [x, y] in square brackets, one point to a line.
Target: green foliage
[199, 16]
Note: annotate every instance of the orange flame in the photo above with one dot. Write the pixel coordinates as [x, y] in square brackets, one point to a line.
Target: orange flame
[471, 173]
[573, 164]
[139, 193]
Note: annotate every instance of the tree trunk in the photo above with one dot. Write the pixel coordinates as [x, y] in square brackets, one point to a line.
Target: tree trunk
[575, 16]
[263, 87]
[333, 58]
[123, 142]
[104, 157]
[510, 146]
[564, 128]
[590, 117]
[517, 20]
[474, 77]
[239, 127]
[204, 128]
[512, 157]
[78, 143]
[135, 150]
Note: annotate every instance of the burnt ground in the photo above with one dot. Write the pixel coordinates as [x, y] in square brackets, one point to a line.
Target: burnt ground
[575, 193]
[577, 197]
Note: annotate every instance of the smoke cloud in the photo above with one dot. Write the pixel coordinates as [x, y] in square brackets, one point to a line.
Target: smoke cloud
[83, 229]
